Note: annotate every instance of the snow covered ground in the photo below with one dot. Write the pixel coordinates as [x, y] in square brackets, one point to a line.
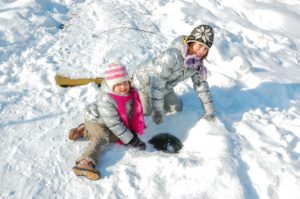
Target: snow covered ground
[252, 151]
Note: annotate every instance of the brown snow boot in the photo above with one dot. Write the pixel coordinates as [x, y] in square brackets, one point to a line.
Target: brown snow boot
[76, 133]
[87, 169]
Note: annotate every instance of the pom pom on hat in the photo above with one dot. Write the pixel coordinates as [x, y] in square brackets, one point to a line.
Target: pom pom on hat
[203, 34]
[115, 74]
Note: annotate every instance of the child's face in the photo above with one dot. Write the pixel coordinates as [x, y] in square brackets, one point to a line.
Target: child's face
[200, 49]
[122, 88]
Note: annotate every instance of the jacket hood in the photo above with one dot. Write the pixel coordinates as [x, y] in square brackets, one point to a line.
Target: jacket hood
[178, 42]
[105, 88]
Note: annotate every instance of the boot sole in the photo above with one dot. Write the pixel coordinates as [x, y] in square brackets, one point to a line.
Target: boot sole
[91, 174]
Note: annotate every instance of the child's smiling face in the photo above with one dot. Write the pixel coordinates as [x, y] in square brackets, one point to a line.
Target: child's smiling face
[122, 88]
[199, 49]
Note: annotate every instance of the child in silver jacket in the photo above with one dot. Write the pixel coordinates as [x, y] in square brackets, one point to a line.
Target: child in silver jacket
[156, 78]
[117, 116]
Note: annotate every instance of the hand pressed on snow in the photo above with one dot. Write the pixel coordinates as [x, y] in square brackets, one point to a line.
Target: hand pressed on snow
[137, 143]
[157, 117]
[210, 117]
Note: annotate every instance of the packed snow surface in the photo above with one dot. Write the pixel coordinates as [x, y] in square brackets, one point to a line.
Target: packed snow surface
[251, 151]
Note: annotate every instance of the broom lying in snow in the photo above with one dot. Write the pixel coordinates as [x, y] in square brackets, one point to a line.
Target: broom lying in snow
[69, 82]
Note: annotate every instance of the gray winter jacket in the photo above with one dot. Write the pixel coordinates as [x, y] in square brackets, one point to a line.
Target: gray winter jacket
[157, 77]
[104, 111]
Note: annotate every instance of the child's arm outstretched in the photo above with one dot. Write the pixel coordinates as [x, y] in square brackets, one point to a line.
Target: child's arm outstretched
[203, 92]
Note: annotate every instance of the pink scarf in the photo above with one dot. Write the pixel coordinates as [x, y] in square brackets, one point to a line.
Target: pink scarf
[136, 123]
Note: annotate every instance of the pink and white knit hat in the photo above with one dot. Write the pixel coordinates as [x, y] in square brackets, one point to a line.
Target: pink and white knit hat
[115, 74]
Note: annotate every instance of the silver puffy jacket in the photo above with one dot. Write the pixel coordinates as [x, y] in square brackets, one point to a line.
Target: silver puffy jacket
[157, 77]
[104, 111]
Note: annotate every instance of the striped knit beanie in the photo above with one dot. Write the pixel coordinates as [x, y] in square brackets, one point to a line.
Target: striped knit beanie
[203, 34]
[115, 74]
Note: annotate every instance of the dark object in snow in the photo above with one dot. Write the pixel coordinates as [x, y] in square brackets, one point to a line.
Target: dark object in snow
[166, 142]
